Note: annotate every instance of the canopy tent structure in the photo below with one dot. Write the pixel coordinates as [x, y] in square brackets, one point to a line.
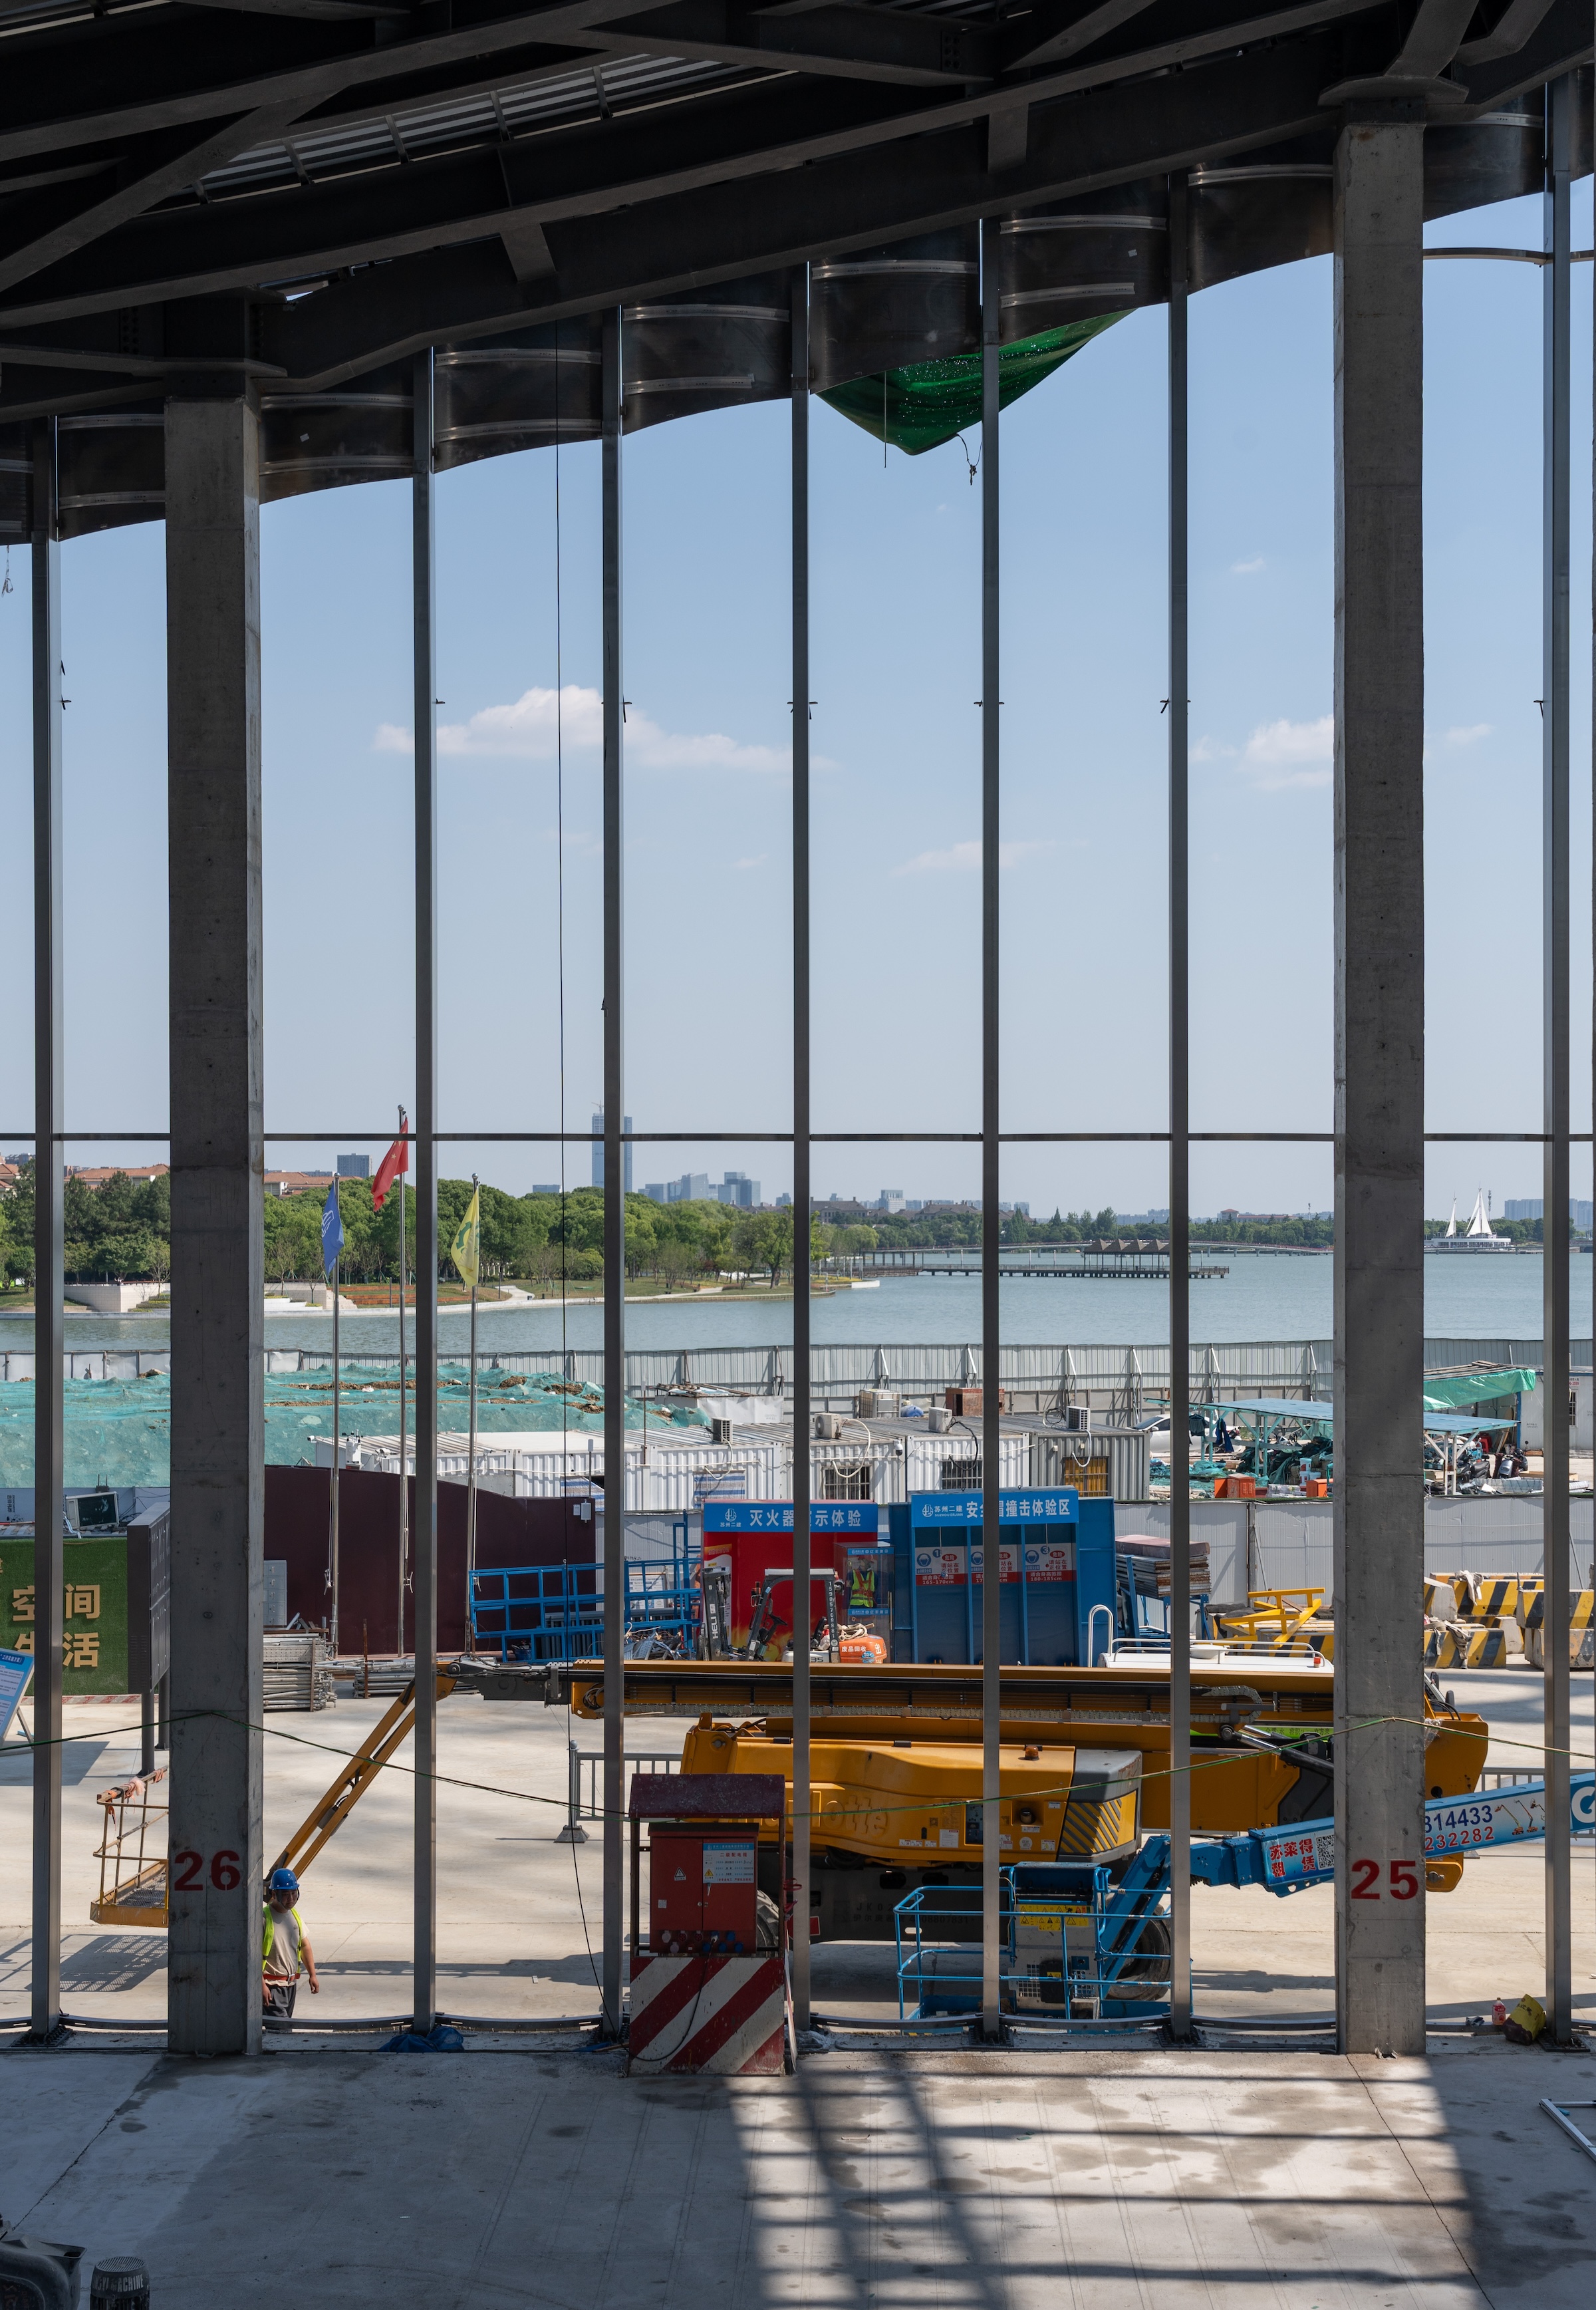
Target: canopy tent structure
[1266, 1415]
[1443, 1392]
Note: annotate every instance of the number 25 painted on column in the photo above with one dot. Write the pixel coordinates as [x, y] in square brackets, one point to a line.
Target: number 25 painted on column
[226, 1875]
[1366, 1880]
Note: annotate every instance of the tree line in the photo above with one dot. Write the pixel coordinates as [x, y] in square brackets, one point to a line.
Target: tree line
[122, 1231]
[934, 1230]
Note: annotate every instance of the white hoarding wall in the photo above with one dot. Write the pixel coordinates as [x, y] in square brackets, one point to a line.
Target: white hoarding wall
[1290, 1543]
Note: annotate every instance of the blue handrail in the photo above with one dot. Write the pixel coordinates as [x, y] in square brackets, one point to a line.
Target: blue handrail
[555, 1611]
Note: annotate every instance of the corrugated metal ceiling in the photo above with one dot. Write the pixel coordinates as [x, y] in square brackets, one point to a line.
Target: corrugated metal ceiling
[592, 89]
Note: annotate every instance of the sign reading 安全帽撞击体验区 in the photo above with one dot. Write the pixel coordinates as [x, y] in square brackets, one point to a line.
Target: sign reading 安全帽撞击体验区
[1059, 1504]
[94, 1616]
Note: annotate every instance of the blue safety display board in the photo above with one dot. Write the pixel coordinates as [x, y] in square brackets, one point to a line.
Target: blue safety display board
[1055, 1563]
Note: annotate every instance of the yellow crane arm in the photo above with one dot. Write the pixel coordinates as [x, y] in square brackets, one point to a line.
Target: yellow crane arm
[330, 1813]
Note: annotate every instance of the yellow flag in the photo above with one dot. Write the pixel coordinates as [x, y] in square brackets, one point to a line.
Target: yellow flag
[466, 1250]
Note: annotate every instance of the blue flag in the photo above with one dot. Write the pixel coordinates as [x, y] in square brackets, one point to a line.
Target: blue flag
[331, 1229]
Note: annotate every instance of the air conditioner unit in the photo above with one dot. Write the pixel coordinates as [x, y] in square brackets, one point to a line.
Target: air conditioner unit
[1077, 1416]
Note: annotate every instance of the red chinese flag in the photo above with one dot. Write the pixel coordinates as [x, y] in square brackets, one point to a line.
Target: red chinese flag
[395, 1161]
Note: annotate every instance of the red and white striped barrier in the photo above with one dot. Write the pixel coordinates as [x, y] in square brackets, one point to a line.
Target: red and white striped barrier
[716, 2016]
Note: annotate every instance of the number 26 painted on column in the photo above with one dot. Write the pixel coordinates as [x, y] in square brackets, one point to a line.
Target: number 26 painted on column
[226, 1874]
[1366, 1880]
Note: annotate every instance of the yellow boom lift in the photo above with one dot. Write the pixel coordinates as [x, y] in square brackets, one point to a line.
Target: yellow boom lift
[138, 1893]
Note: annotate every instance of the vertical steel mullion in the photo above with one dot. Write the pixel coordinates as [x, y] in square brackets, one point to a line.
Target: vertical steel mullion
[1180, 1168]
[614, 1217]
[50, 1341]
[992, 1589]
[1555, 893]
[424, 1538]
[801, 1422]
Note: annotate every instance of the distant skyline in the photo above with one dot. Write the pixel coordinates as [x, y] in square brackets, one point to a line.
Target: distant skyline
[894, 580]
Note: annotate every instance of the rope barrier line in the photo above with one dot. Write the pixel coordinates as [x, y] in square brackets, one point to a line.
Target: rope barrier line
[563, 1803]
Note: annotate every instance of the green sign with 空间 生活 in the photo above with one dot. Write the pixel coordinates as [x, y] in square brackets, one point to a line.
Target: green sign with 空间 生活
[94, 1651]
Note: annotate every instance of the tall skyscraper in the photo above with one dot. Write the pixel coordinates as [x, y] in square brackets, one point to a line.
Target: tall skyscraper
[598, 1154]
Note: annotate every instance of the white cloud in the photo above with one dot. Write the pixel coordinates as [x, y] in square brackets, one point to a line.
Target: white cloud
[965, 858]
[1469, 735]
[540, 720]
[1247, 569]
[1211, 750]
[743, 864]
[1290, 754]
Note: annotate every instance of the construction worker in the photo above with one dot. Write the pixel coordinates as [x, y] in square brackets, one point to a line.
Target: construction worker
[285, 1953]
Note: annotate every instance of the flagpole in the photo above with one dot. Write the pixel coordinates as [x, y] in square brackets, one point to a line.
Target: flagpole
[403, 1474]
[471, 1461]
[337, 1436]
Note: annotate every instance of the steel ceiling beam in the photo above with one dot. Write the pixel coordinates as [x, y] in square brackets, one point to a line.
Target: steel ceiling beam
[640, 205]
[1049, 34]
[321, 12]
[128, 75]
[882, 44]
[1509, 33]
[848, 200]
[1434, 38]
[754, 133]
[46, 227]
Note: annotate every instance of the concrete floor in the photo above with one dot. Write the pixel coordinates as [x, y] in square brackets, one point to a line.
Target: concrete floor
[928, 2180]
[518, 1912]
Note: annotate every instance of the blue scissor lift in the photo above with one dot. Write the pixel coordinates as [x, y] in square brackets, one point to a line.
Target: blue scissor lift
[1079, 1942]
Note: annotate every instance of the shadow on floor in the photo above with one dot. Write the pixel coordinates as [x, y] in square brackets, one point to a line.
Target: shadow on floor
[1530, 2230]
[581, 1969]
[78, 1759]
[113, 1961]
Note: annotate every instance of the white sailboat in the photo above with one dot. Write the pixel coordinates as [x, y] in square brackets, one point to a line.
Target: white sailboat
[1478, 1235]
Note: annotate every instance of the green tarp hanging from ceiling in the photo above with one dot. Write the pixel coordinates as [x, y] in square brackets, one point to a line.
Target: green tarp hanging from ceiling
[1459, 1389]
[920, 408]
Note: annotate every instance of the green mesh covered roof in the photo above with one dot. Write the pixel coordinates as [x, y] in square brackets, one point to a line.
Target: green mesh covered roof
[118, 1431]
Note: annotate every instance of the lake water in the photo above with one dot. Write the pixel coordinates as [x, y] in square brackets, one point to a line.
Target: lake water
[1262, 1296]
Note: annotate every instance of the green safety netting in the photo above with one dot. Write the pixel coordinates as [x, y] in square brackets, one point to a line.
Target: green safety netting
[920, 408]
[118, 1431]
[1456, 1391]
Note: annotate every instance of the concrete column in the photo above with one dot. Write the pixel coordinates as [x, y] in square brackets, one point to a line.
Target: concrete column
[1180, 1125]
[1555, 690]
[614, 1221]
[1379, 1146]
[803, 1420]
[991, 1593]
[424, 591]
[213, 559]
[49, 1330]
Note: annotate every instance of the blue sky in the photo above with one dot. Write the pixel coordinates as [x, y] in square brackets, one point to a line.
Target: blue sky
[896, 672]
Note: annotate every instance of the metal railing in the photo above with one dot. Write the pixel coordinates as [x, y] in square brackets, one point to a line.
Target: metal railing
[582, 1799]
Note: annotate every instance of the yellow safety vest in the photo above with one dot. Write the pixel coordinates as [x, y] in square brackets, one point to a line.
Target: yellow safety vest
[265, 1945]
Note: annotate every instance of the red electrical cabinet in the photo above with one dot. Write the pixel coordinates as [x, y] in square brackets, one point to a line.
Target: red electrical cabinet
[702, 1888]
[703, 1998]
